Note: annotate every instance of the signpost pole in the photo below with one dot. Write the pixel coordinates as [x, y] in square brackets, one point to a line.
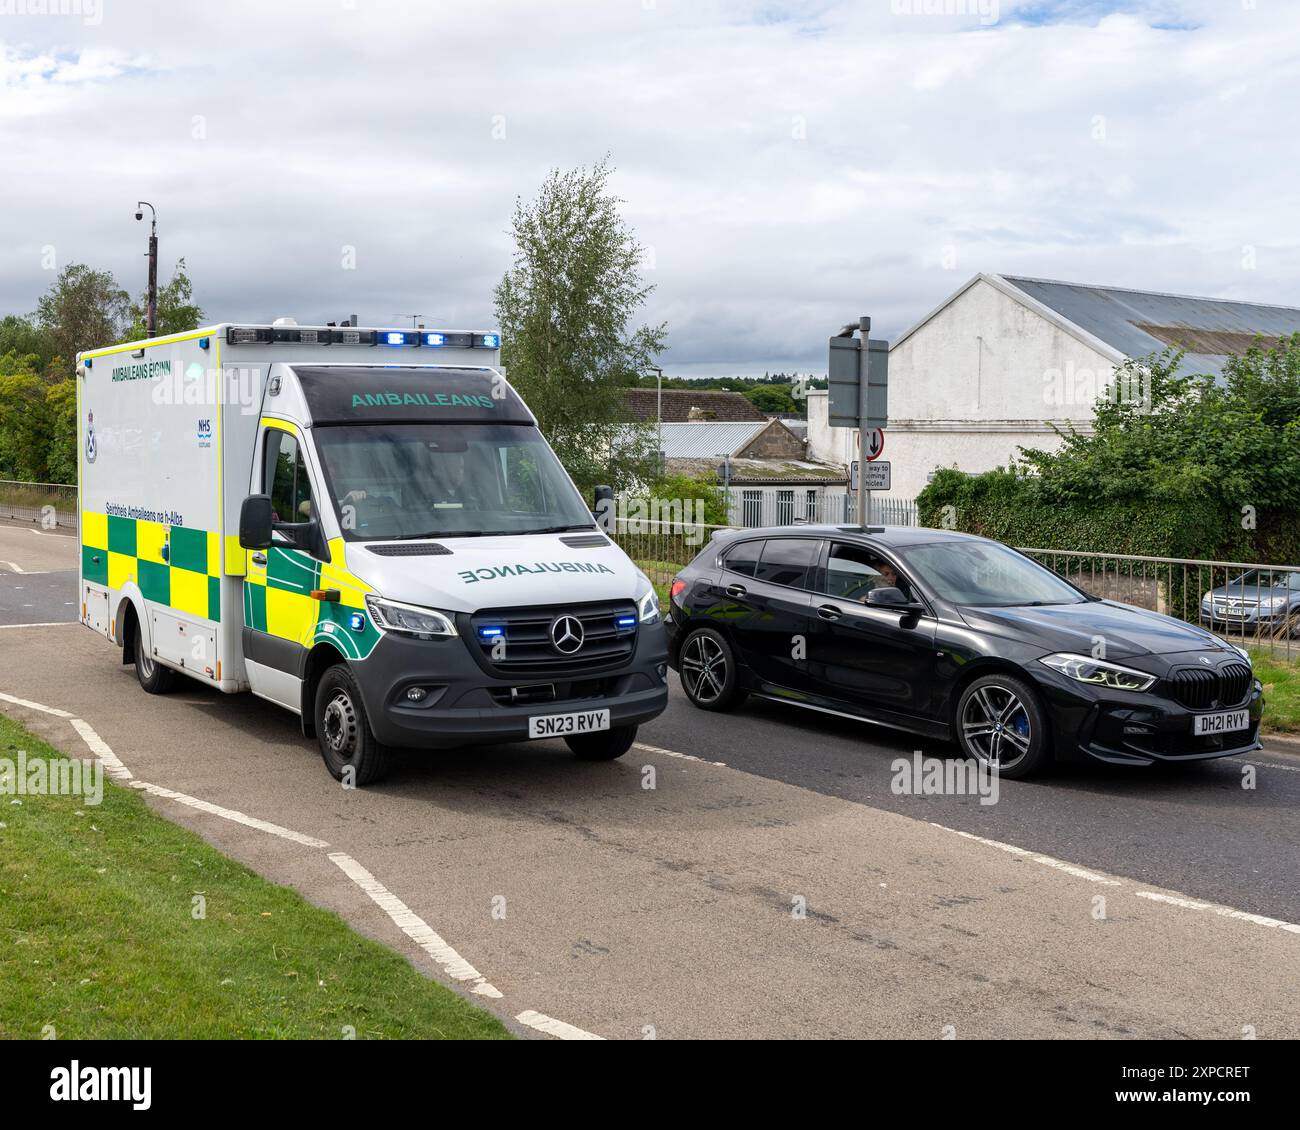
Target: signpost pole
[864, 428]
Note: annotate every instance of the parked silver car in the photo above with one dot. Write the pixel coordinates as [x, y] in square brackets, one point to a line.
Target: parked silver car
[1259, 602]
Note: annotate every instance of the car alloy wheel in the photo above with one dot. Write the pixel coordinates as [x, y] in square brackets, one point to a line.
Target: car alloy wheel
[997, 727]
[704, 669]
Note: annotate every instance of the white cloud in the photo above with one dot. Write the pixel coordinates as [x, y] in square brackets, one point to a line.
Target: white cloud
[791, 165]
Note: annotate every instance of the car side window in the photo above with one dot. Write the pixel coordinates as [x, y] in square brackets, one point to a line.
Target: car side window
[787, 561]
[852, 571]
[286, 480]
[743, 558]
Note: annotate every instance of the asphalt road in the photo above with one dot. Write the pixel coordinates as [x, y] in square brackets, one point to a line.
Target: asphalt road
[786, 892]
[38, 575]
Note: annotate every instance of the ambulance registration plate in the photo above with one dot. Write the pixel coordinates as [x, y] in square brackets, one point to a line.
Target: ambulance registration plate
[566, 725]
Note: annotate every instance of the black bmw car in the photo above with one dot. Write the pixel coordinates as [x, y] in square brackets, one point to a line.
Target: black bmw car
[955, 637]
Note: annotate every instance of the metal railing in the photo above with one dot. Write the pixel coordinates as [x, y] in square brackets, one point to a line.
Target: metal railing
[1248, 603]
[52, 505]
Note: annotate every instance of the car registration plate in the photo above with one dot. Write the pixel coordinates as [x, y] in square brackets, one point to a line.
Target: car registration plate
[564, 725]
[1221, 723]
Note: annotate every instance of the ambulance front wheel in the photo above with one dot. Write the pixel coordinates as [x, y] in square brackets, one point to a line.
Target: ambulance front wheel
[351, 752]
[603, 746]
[153, 676]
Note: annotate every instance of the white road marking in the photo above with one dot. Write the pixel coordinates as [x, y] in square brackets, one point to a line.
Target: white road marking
[1224, 911]
[1037, 857]
[1271, 765]
[13, 568]
[557, 1028]
[674, 753]
[100, 749]
[51, 624]
[34, 705]
[413, 926]
[230, 814]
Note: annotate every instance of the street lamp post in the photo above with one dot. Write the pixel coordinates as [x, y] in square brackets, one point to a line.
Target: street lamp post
[151, 327]
[659, 404]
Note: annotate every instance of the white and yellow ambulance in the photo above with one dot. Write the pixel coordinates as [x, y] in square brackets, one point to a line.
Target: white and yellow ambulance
[364, 526]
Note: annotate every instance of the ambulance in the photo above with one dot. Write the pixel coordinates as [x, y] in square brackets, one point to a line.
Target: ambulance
[364, 526]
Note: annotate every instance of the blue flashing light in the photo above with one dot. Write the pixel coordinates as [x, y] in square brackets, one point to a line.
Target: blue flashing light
[491, 633]
[492, 341]
[435, 339]
[357, 622]
[625, 623]
[90, 361]
[394, 339]
[204, 342]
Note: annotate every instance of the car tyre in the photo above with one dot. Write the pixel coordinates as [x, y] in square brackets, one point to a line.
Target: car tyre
[347, 743]
[153, 676]
[603, 746]
[708, 671]
[1000, 722]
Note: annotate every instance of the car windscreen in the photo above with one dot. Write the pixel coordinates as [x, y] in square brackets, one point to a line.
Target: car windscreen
[393, 481]
[984, 574]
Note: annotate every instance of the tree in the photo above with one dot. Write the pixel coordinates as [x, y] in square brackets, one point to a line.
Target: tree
[177, 311]
[82, 310]
[566, 308]
[19, 337]
[771, 398]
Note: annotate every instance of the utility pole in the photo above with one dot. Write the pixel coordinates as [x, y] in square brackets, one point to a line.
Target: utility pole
[659, 405]
[151, 327]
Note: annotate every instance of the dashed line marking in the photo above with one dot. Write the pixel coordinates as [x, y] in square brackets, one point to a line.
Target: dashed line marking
[35, 706]
[1037, 857]
[413, 926]
[1222, 911]
[673, 753]
[557, 1028]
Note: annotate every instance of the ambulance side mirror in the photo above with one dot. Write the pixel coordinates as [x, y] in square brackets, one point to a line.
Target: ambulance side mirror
[255, 518]
[603, 510]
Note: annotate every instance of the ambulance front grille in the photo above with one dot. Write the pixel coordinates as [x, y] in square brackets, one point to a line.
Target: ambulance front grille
[519, 641]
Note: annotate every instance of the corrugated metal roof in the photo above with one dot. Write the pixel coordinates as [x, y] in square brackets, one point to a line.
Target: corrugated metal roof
[702, 439]
[1140, 322]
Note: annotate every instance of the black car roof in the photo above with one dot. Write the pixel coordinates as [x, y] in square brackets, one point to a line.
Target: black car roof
[894, 536]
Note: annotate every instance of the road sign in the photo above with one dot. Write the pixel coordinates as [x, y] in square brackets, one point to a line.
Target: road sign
[844, 373]
[875, 444]
[878, 476]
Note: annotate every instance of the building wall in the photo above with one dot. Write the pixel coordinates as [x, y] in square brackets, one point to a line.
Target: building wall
[971, 386]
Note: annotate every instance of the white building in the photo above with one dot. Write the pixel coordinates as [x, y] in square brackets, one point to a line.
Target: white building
[983, 373]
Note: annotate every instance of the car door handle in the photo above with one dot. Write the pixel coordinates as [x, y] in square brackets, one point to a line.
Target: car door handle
[736, 590]
[829, 612]
[259, 558]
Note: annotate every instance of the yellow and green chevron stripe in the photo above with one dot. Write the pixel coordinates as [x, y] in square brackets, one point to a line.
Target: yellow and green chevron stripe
[173, 566]
[278, 601]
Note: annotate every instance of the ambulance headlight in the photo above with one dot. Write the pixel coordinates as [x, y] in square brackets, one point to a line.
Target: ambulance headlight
[647, 606]
[427, 623]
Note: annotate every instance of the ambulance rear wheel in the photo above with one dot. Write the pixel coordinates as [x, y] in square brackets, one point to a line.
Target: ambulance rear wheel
[603, 746]
[153, 676]
[351, 752]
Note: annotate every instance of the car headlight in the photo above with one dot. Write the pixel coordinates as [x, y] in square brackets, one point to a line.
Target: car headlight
[1099, 673]
[647, 607]
[409, 619]
[1244, 654]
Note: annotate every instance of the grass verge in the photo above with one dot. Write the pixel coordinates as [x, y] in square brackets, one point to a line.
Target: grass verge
[1281, 692]
[98, 938]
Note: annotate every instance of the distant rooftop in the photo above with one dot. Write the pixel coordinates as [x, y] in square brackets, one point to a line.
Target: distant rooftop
[1124, 323]
[711, 404]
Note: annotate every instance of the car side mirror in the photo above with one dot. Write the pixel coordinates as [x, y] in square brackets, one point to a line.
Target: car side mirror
[255, 522]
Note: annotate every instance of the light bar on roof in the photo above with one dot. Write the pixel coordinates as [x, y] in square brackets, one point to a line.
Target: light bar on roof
[350, 335]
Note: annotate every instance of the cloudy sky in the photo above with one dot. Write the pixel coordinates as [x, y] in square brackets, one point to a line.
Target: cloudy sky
[788, 165]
